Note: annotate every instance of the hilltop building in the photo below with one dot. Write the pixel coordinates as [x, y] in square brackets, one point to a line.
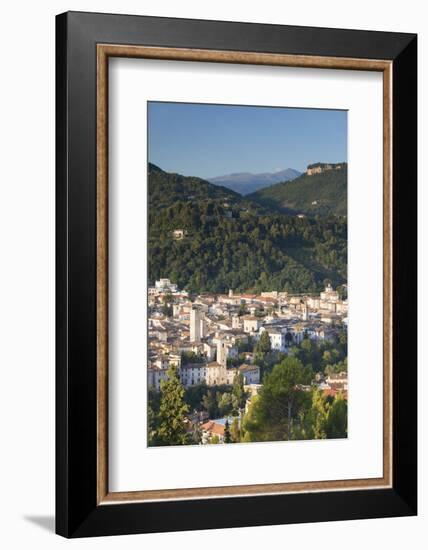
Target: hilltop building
[320, 167]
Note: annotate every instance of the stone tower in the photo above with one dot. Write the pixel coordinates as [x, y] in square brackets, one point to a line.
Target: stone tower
[304, 312]
[221, 353]
[195, 324]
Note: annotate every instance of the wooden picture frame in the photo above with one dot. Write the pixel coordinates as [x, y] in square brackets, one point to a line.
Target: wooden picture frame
[85, 42]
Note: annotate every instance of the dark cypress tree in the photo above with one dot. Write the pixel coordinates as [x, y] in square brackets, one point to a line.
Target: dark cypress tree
[264, 345]
[172, 411]
[227, 436]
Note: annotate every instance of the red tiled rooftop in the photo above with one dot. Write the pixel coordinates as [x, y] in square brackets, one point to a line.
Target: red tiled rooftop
[213, 427]
[332, 393]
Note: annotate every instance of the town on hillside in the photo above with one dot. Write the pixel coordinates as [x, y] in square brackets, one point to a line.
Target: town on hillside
[216, 340]
[247, 273]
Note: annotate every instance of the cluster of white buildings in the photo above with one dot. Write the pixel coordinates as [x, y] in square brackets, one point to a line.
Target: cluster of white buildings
[163, 286]
[202, 337]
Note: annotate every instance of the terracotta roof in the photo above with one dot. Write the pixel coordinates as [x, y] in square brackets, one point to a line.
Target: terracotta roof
[248, 367]
[332, 393]
[213, 427]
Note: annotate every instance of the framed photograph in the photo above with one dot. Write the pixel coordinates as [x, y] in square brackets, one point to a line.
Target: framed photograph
[236, 274]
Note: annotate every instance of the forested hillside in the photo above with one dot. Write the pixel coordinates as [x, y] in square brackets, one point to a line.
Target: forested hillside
[166, 189]
[319, 194]
[231, 242]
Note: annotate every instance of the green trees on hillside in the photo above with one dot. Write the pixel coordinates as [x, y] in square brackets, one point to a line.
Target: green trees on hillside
[287, 407]
[248, 252]
[238, 392]
[227, 435]
[285, 410]
[166, 188]
[169, 426]
[328, 357]
[319, 194]
[263, 345]
[337, 418]
[274, 414]
[235, 243]
[235, 430]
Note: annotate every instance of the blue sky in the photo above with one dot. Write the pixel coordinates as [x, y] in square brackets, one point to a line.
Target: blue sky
[212, 140]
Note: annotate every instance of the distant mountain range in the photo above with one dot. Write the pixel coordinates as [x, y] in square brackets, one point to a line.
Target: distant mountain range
[245, 183]
[320, 193]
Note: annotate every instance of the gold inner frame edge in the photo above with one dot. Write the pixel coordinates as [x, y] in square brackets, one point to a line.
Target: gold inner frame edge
[104, 51]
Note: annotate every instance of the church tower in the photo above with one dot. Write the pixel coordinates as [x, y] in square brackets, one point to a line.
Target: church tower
[221, 353]
[305, 316]
[195, 324]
